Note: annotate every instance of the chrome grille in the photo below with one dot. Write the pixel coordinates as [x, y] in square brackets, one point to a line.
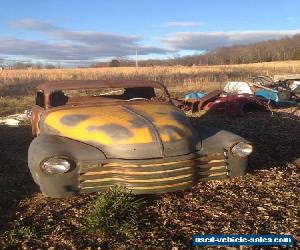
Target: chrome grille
[152, 177]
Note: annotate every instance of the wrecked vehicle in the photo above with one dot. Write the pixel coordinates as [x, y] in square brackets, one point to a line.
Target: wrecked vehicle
[197, 100]
[230, 103]
[91, 135]
[239, 98]
[237, 105]
[283, 91]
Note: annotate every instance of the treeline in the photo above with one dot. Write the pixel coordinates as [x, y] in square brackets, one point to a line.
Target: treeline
[268, 51]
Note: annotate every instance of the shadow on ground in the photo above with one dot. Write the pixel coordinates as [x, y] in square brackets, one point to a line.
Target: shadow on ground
[275, 136]
[15, 180]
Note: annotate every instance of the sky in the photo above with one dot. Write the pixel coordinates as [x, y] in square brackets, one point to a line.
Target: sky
[81, 32]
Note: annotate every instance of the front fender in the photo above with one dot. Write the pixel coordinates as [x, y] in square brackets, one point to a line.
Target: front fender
[46, 146]
[216, 141]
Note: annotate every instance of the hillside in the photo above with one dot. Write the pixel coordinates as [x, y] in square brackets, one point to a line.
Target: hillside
[267, 51]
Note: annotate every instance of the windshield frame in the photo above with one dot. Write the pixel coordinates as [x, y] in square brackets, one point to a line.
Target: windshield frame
[50, 87]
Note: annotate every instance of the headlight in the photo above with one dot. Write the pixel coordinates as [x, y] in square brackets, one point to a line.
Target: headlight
[241, 149]
[56, 166]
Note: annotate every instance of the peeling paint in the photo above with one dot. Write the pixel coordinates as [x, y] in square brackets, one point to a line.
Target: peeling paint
[115, 131]
[73, 120]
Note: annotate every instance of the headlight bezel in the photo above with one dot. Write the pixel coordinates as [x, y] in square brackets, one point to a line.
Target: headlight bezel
[236, 151]
[69, 162]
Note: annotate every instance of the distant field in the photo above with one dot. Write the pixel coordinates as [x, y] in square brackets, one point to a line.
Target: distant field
[19, 84]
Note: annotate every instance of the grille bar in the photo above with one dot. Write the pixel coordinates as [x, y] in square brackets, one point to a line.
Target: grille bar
[138, 183]
[144, 190]
[137, 175]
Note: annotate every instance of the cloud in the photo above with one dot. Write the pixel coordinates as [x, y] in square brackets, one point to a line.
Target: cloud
[70, 51]
[32, 24]
[68, 45]
[212, 40]
[182, 24]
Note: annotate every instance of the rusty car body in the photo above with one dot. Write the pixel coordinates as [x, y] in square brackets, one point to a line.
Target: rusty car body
[229, 104]
[135, 139]
[237, 105]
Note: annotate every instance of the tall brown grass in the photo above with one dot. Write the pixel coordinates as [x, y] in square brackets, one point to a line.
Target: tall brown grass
[187, 78]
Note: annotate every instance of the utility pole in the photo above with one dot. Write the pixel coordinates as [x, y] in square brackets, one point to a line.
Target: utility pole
[136, 58]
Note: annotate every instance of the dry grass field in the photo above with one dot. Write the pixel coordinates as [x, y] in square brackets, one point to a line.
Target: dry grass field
[265, 201]
[17, 86]
[200, 77]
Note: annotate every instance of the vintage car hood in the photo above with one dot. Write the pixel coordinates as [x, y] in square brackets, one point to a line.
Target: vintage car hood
[131, 131]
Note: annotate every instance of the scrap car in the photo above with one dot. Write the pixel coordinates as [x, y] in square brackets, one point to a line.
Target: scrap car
[92, 135]
[283, 91]
[232, 104]
[260, 93]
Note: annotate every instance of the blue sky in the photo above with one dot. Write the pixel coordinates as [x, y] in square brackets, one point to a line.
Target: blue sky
[81, 32]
